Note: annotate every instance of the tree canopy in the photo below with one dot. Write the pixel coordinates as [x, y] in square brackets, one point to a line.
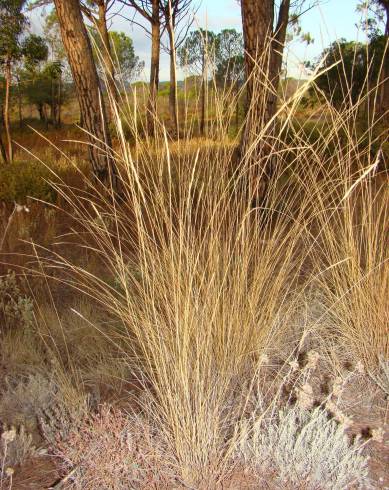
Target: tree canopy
[12, 24]
[350, 66]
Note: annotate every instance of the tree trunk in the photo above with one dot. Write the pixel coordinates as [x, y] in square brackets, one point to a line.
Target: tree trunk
[203, 94]
[2, 146]
[41, 112]
[276, 56]
[53, 111]
[173, 108]
[260, 65]
[237, 110]
[154, 67]
[257, 20]
[2, 150]
[7, 125]
[20, 104]
[107, 55]
[383, 98]
[79, 52]
[59, 122]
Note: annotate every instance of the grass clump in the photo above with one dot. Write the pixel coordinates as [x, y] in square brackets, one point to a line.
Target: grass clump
[203, 276]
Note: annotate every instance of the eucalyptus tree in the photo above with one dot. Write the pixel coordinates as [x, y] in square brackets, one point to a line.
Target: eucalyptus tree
[177, 20]
[150, 11]
[60, 71]
[33, 51]
[376, 14]
[12, 24]
[229, 57]
[127, 64]
[197, 56]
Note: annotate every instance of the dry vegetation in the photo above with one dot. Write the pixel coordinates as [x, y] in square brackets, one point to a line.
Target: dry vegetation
[191, 335]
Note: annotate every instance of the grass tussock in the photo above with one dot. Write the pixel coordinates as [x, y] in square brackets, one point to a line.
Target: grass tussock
[205, 278]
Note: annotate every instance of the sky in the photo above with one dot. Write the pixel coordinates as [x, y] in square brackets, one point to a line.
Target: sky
[329, 21]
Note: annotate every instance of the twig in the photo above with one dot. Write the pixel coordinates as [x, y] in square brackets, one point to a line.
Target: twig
[60, 483]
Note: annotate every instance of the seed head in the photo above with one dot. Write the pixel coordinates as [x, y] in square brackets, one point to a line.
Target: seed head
[8, 435]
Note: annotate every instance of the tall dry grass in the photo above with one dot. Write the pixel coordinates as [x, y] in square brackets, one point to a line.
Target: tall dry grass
[203, 279]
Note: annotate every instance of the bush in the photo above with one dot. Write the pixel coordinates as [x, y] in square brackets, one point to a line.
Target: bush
[306, 447]
[113, 451]
[15, 447]
[25, 398]
[15, 310]
[25, 179]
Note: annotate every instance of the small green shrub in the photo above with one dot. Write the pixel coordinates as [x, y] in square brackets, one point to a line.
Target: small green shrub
[164, 90]
[24, 179]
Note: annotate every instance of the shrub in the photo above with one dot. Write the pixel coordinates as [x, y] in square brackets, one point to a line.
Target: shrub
[112, 451]
[24, 399]
[25, 179]
[306, 448]
[15, 447]
[16, 310]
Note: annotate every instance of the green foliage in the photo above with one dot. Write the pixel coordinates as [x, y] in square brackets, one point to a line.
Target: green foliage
[295, 30]
[41, 86]
[12, 23]
[52, 34]
[127, 64]
[229, 59]
[222, 52]
[23, 179]
[373, 16]
[34, 50]
[198, 48]
[38, 89]
[350, 65]
[164, 89]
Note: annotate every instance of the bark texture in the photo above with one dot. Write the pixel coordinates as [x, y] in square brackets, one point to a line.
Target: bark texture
[7, 126]
[79, 52]
[257, 20]
[276, 55]
[154, 65]
[173, 108]
[264, 49]
[203, 95]
[264, 39]
[99, 20]
[2, 146]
